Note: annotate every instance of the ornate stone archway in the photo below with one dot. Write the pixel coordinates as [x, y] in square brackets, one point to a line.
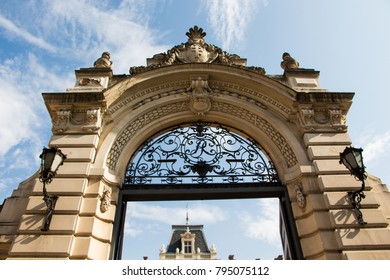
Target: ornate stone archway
[104, 118]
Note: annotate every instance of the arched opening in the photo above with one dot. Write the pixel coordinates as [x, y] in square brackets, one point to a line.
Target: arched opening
[203, 161]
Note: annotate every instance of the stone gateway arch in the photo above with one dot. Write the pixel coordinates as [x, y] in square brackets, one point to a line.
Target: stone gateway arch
[106, 119]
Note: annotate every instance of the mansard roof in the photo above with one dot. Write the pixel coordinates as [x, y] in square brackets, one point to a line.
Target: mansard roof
[200, 240]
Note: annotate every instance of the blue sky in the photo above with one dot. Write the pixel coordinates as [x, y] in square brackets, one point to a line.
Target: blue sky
[43, 42]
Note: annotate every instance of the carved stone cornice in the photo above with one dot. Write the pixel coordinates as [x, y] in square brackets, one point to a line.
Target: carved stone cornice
[75, 112]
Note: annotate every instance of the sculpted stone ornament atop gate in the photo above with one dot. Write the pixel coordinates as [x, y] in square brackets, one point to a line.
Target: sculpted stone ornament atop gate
[195, 50]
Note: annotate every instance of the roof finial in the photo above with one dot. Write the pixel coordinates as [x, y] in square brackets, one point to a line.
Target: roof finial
[187, 215]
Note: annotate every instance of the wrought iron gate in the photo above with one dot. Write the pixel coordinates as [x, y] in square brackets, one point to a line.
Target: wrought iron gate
[203, 161]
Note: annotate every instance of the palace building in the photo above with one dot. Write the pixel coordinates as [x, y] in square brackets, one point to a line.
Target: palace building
[188, 242]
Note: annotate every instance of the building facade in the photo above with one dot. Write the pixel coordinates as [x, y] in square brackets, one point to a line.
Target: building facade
[188, 242]
[105, 119]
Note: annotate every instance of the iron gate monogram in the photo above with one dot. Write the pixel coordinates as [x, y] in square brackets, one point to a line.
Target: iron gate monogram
[200, 154]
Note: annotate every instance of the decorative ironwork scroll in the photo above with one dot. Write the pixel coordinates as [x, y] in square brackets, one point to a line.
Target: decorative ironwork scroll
[200, 154]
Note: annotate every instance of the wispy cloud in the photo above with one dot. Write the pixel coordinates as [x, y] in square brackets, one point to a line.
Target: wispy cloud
[230, 19]
[265, 224]
[122, 30]
[376, 146]
[20, 32]
[201, 213]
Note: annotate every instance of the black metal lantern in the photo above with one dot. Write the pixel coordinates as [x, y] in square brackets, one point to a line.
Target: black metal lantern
[51, 159]
[352, 158]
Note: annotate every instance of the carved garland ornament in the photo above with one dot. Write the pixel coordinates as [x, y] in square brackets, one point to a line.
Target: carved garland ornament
[301, 199]
[105, 201]
[126, 135]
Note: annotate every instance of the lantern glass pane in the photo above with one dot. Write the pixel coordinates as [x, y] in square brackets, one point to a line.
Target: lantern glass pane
[48, 157]
[358, 158]
[350, 161]
[57, 161]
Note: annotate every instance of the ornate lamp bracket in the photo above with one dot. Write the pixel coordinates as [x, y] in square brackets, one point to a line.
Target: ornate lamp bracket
[352, 158]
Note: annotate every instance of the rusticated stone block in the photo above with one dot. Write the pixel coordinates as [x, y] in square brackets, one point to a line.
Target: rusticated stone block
[327, 139]
[364, 238]
[64, 205]
[79, 154]
[63, 186]
[346, 218]
[42, 245]
[90, 248]
[74, 140]
[367, 255]
[59, 223]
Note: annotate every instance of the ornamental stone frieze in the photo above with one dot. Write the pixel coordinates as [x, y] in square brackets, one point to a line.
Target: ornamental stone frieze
[72, 120]
[313, 118]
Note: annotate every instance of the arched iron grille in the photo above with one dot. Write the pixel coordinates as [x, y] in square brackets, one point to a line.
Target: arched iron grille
[200, 154]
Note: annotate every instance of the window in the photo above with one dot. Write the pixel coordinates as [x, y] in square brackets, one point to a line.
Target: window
[187, 247]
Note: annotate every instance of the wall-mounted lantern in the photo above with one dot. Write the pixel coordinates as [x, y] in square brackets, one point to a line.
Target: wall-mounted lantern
[51, 159]
[352, 158]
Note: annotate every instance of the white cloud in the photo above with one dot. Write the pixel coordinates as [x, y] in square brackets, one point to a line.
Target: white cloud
[17, 119]
[39, 42]
[201, 213]
[379, 146]
[265, 224]
[230, 19]
[140, 215]
[122, 31]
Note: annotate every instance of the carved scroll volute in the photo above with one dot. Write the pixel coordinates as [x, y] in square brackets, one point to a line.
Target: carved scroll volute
[200, 92]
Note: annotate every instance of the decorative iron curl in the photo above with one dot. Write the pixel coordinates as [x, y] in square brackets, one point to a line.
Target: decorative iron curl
[200, 154]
